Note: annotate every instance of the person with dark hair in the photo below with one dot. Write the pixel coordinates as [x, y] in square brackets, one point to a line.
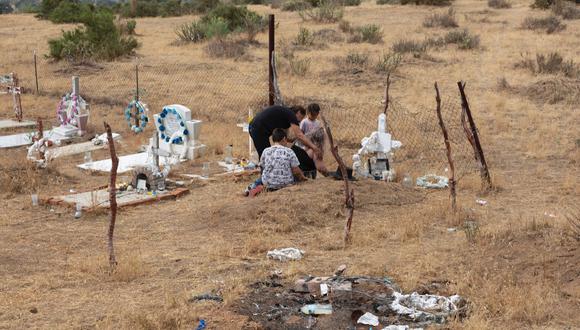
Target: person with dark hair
[279, 163]
[276, 116]
[312, 129]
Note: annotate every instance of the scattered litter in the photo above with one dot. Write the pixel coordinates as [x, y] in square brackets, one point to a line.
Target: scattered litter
[550, 215]
[285, 254]
[206, 296]
[340, 270]
[432, 181]
[323, 289]
[201, 325]
[369, 319]
[451, 230]
[34, 199]
[317, 309]
[481, 202]
[425, 307]
[400, 327]
[78, 211]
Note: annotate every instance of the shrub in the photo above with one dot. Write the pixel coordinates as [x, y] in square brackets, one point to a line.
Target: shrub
[427, 2]
[223, 48]
[99, 39]
[408, 46]
[295, 5]
[371, 33]
[550, 24]
[444, 20]
[357, 59]
[191, 32]
[69, 12]
[499, 4]
[236, 17]
[345, 26]
[388, 2]
[351, 3]
[130, 26]
[542, 4]
[552, 63]
[566, 10]
[221, 21]
[328, 35]
[463, 39]
[327, 11]
[304, 38]
[388, 63]
[299, 67]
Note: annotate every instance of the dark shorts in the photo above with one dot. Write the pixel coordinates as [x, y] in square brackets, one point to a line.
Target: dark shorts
[260, 138]
[306, 163]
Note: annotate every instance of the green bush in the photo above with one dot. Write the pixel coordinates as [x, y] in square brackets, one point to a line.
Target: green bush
[130, 26]
[234, 16]
[69, 12]
[327, 11]
[296, 5]
[351, 3]
[371, 33]
[388, 63]
[543, 4]
[191, 32]
[304, 38]
[98, 39]
[463, 39]
[221, 21]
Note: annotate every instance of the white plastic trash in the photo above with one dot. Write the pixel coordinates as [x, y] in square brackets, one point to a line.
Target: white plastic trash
[369, 319]
[432, 181]
[285, 254]
[317, 309]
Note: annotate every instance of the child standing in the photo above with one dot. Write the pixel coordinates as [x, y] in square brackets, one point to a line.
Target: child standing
[312, 128]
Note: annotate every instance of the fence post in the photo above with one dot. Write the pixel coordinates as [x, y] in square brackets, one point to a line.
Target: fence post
[484, 170]
[36, 73]
[136, 95]
[452, 190]
[271, 46]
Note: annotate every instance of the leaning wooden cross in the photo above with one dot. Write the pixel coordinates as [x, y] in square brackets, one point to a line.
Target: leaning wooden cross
[11, 82]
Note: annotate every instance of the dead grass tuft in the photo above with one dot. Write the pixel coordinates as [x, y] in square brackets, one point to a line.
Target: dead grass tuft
[552, 63]
[499, 4]
[550, 24]
[404, 46]
[226, 48]
[443, 19]
[566, 9]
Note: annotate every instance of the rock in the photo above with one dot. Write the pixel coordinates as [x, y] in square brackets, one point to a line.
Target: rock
[33, 310]
[340, 270]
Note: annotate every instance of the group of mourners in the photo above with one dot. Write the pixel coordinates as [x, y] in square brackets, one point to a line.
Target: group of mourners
[297, 148]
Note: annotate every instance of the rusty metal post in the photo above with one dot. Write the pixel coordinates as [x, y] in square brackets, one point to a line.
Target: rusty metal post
[271, 47]
[484, 170]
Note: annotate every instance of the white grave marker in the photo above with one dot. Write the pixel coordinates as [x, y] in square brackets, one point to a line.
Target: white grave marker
[178, 133]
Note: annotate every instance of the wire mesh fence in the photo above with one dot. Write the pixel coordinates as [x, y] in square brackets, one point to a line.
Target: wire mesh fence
[222, 95]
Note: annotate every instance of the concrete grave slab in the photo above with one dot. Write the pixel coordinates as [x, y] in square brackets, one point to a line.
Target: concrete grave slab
[9, 123]
[100, 198]
[126, 163]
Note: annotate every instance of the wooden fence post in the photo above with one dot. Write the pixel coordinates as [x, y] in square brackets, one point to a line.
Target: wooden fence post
[112, 195]
[484, 170]
[348, 192]
[452, 191]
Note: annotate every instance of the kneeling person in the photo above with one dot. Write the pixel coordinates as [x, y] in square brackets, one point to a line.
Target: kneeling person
[279, 163]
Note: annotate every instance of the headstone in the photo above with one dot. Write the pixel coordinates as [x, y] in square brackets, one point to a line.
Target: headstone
[178, 133]
[72, 113]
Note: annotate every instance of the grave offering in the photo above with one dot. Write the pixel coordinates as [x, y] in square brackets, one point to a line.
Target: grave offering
[372, 159]
[72, 113]
[178, 133]
[137, 115]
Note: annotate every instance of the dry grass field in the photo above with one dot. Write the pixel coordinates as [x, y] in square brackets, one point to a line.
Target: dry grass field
[520, 267]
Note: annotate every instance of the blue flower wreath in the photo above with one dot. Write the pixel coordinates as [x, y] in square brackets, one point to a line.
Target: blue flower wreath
[141, 112]
[162, 129]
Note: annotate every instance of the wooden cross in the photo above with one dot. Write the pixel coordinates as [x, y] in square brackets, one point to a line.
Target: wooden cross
[14, 89]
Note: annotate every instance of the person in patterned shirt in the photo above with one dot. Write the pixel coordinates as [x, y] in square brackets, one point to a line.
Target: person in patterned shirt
[280, 166]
